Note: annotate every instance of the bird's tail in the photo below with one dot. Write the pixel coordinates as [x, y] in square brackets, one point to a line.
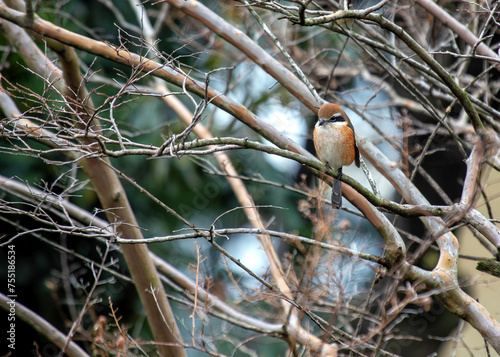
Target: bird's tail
[337, 193]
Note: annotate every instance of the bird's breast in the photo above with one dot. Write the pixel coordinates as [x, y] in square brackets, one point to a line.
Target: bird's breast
[334, 145]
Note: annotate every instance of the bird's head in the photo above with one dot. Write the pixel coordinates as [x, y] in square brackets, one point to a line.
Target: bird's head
[331, 113]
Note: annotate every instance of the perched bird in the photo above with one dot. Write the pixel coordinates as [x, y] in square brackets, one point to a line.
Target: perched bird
[335, 144]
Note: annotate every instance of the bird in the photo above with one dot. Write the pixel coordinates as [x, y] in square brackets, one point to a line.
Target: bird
[335, 144]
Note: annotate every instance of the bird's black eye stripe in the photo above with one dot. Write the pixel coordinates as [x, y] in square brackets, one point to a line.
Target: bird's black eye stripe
[336, 118]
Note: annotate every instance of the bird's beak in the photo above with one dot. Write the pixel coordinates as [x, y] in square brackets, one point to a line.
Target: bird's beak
[321, 122]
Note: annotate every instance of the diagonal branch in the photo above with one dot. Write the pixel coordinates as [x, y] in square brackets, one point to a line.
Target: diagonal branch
[461, 30]
[243, 43]
[42, 326]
